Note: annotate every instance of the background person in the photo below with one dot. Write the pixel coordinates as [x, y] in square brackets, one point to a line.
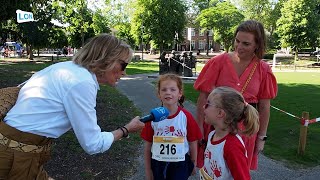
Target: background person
[225, 154]
[58, 98]
[244, 71]
[171, 145]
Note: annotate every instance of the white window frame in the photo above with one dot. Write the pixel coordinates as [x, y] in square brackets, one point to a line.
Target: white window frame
[201, 33]
[193, 33]
[193, 44]
[201, 44]
[210, 44]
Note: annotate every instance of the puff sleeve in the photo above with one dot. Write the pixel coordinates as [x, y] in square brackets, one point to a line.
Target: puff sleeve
[208, 76]
[268, 86]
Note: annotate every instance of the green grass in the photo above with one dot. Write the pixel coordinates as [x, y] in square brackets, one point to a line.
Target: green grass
[142, 67]
[297, 92]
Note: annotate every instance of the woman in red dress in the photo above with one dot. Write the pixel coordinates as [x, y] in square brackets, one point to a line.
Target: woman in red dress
[244, 71]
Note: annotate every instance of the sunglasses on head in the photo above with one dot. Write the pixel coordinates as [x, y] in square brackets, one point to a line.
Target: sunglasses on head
[123, 65]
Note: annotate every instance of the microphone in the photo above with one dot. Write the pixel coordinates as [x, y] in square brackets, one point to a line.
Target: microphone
[156, 115]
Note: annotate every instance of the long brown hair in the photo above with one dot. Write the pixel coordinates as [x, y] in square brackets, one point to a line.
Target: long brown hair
[257, 29]
[101, 53]
[237, 110]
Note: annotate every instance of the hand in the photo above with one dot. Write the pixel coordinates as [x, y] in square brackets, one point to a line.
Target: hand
[135, 125]
[259, 146]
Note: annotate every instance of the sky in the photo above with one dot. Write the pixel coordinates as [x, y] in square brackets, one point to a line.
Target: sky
[94, 4]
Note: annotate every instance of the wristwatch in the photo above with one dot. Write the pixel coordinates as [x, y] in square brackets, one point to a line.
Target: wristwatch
[263, 138]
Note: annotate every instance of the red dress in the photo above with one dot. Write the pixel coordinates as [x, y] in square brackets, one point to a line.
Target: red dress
[219, 71]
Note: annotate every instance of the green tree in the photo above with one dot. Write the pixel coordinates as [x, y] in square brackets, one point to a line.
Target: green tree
[265, 11]
[199, 6]
[100, 22]
[124, 32]
[77, 18]
[8, 8]
[223, 19]
[159, 21]
[299, 24]
[120, 13]
[36, 34]
[259, 10]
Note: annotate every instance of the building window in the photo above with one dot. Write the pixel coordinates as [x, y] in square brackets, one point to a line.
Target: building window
[184, 32]
[201, 33]
[210, 32]
[201, 44]
[193, 32]
[193, 44]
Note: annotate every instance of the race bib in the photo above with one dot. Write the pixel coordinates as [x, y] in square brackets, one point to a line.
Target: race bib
[204, 175]
[168, 148]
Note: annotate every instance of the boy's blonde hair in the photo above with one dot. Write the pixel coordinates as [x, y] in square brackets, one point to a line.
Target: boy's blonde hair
[237, 110]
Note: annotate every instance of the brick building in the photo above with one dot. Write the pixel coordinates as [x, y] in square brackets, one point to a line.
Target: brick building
[198, 40]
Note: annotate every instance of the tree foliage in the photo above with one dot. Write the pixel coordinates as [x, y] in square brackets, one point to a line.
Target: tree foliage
[77, 18]
[223, 19]
[299, 24]
[259, 10]
[158, 20]
[8, 7]
[100, 22]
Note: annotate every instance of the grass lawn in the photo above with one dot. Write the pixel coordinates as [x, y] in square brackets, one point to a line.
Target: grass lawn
[142, 67]
[298, 92]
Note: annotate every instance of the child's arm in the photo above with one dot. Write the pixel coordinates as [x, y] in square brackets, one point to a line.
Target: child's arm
[236, 160]
[147, 160]
[193, 154]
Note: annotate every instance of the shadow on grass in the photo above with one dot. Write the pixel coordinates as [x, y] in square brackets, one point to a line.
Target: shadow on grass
[284, 130]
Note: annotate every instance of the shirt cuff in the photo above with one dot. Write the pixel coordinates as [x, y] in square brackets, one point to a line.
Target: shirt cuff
[108, 139]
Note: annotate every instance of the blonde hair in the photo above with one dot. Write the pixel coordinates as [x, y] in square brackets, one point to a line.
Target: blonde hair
[175, 78]
[257, 29]
[237, 110]
[101, 53]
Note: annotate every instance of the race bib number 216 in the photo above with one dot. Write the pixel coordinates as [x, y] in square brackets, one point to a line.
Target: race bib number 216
[168, 148]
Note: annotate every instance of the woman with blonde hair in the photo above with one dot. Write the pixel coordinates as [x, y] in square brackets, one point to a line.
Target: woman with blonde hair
[59, 98]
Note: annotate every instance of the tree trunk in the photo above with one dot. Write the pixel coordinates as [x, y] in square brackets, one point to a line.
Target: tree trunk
[29, 52]
[296, 58]
[207, 34]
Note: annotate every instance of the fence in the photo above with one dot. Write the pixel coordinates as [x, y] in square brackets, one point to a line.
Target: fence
[305, 121]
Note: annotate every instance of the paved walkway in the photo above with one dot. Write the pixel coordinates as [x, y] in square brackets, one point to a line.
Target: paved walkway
[140, 90]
